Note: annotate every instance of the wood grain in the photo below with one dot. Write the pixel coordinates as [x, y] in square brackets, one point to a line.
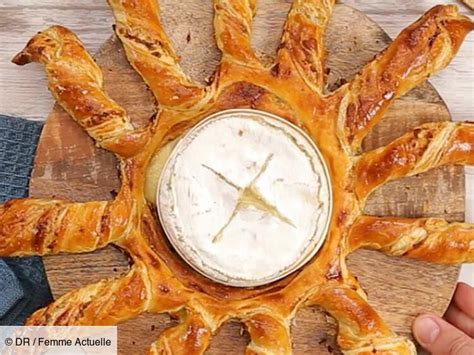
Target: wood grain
[469, 3]
[69, 166]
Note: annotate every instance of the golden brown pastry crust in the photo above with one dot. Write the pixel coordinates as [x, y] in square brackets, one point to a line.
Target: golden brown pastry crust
[150, 53]
[191, 336]
[426, 147]
[430, 239]
[361, 330]
[39, 227]
[103, 303]
[159, 281]
[423, 48]
[76, 83]
[233, 29]
[302, 43]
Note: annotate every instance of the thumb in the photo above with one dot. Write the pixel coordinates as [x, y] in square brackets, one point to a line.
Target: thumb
[441, 338]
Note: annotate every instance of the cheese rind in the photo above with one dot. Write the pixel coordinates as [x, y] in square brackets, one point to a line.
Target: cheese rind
[245, 198]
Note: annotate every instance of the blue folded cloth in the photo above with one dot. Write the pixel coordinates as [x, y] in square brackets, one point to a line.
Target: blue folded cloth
[23, 284]
[11, 290]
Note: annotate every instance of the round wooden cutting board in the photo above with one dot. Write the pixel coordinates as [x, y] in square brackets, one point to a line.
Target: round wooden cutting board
[69, 166]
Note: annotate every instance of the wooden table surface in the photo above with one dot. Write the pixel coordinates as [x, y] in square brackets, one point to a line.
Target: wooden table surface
[23, 90]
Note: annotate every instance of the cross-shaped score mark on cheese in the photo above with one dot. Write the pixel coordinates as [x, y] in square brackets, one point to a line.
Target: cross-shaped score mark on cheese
[249, 197]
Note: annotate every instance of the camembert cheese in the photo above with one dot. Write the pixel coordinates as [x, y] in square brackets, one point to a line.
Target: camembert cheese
[245, 198]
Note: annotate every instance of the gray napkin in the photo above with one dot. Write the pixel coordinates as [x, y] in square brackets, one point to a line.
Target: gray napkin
[23, 284]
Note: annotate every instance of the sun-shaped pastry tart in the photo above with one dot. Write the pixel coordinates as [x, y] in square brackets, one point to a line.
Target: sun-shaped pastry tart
[244, 195]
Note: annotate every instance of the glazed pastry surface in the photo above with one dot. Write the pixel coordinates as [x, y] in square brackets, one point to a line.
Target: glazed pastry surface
[292, 87]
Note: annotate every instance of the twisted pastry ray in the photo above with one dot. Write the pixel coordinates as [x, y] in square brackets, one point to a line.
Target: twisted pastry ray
[233, 27]
[76, 83]
[361, 330]
[150, 53]
[40, 227]
[107, 302]
[425, 148]
[421, 50]
[302, 43]
[191, 336]
[430, 239]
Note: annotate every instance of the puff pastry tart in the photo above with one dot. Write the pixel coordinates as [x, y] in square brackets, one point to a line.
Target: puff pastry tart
[291, 87]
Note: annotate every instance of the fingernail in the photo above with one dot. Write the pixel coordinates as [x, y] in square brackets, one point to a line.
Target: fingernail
[426, 330]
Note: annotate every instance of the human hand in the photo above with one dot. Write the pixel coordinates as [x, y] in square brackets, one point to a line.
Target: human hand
[454, 334]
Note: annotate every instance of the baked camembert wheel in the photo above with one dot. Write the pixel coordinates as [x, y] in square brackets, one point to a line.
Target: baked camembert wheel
[292, 87]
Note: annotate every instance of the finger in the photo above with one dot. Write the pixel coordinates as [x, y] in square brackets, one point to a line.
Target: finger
[464, 299]
[441, 338]
[460, 320]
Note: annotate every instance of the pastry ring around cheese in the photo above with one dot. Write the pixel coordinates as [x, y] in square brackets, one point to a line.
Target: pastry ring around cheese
[291, 87]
